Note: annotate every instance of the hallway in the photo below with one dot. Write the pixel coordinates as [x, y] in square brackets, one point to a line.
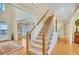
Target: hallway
[36, 28]
[64, 48]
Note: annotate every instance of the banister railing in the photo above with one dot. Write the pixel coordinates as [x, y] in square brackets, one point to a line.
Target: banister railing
[37, 23]
[33, 28]
[29, 33]
[40, 20]
[43, 17]
[27, 42]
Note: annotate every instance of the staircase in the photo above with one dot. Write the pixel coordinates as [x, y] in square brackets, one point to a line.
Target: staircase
[36, 44]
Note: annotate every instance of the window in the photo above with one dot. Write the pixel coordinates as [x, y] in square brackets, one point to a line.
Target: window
[2, 7]
[3, 27]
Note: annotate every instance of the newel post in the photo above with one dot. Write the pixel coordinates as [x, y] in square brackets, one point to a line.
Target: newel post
[19, 40]
[43, 43]
[27, 42]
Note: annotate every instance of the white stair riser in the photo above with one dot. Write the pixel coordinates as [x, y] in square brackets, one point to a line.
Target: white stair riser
[39, 47]
[40, 43]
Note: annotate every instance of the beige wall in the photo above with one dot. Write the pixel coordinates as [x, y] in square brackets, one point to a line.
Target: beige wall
[71, 27]
[39, 26]
[8, 14]
[37, 12]
[75, 17]
[61, 29]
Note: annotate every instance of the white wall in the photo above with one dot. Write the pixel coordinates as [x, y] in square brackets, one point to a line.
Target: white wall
[8, 14]
[5, 37]
[37, 12]
[61, 29]
[72, 27]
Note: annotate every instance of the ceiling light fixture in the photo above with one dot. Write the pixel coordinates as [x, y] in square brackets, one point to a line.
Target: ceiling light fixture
[62, 9]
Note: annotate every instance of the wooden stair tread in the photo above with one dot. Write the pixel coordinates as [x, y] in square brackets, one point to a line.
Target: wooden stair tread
[39, 37]
[40, 41]
[38, 45]
[35, 51]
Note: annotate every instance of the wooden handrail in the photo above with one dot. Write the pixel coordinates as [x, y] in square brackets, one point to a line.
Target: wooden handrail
[43, 43]
[40, 20]
[43, 17]
[27, 42]
[33, 28]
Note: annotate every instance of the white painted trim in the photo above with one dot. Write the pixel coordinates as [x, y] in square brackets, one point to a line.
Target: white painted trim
[53, 42]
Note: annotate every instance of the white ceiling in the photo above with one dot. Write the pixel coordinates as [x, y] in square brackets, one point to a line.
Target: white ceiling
[63, 11]
[22, 16]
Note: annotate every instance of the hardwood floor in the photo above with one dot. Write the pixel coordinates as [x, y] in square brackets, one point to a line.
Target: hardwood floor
[64, 48]
[21, 51]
